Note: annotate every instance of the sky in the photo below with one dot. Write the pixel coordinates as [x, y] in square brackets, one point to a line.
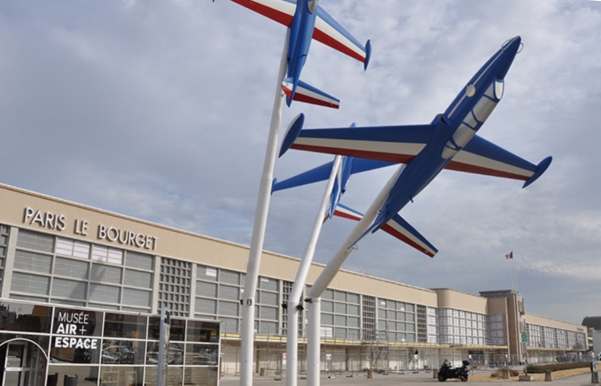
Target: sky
[160, 109]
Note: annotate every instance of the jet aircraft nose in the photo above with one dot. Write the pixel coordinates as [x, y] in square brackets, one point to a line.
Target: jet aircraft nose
[505, 59]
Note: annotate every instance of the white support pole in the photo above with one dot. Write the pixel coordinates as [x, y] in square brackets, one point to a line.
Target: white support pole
[326, 276]
[301, 278]
[247, 300]
[313, 342]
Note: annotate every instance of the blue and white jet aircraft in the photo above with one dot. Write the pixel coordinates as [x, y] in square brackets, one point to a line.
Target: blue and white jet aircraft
[396, 226]
[448, 142]
[307, 21]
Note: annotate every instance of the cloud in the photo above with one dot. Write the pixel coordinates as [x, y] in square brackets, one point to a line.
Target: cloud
[160, 109]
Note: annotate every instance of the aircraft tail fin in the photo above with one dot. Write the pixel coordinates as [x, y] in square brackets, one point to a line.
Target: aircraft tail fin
[396, 227]
[304, 92]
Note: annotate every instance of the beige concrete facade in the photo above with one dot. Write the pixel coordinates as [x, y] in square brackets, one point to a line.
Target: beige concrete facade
[441, 312]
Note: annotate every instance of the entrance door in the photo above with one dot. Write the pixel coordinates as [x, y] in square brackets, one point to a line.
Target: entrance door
[16, 372]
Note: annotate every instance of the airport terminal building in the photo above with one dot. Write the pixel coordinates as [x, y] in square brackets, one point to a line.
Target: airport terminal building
[80, 290]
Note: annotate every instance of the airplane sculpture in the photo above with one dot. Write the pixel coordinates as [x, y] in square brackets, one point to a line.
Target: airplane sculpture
[307, 21]
[448, 142]
[396, 227]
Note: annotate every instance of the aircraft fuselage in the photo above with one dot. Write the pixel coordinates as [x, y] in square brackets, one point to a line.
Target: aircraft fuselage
[455, 127]
[301, 34]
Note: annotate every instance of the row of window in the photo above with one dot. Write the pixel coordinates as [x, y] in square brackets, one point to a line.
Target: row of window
[548, 337]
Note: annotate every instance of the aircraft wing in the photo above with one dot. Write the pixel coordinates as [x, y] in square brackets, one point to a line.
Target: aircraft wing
[322, 173]
[484, 157]
[329, 32]
[394, 144]
[281, 11]
[396, 227]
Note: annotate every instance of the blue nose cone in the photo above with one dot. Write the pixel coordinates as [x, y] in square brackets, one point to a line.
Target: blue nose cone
[507, 54]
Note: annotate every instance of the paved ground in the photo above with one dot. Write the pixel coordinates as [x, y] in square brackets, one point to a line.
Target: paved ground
[409, 380]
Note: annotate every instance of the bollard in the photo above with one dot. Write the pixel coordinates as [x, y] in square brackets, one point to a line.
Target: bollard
[434, 373]
[594, 377]
[548, 377]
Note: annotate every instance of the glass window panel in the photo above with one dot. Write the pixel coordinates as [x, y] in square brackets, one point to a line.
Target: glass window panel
[228, 308]
[340, 296]
[230, 277]
[340, 308]
[139, 260]
[105, 273]
[35, 241]
[270, 313]
[229, 325]
[328, 294]
[327, 319]
[199, 331]
[268, 284]
[352, 298]
[100, 253]
[71, 349]
[353, 322]
[206, 306]
[73, 321]
[268, 298]
[206, 289]
[340, 333]
[115, 256]
[200, 376]
[327, 306]
[136, 297]
[71, 268]
[138, 279]
[34, 284]
[177, 330]
[353, 334]
[268, 328]
[124, 326]
[104, 293]
[121, 376]
[123, 352]
[206, 273]
[352, 309]
[32, 261]
[229, 292]
[63, 247]
[339, 320]
[409, 307]
[201, 354]
[81, 250]
[78, 375]
[24, 317]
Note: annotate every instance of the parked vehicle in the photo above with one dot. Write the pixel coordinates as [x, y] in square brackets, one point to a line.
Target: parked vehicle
[447, 372]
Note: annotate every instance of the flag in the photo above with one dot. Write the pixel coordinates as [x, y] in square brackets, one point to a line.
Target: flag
[509, 256]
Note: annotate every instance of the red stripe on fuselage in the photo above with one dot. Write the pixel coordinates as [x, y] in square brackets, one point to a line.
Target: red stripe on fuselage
[461, 167]
[274, 14]
[388, 229]
[390, 157]
[346, 215]
[335, 44]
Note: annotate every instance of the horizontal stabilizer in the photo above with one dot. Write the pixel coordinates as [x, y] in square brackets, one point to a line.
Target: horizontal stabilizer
[322, 173]
[306, 93]
[396, 227]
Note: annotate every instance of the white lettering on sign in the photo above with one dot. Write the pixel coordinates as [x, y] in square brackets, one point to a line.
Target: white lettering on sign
[74, 342]
[46, 220]
[58, 222]
[73, 323]
[125, 237]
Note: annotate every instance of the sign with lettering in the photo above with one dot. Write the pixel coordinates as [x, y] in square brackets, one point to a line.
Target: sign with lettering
[58, 222]
[77, 326]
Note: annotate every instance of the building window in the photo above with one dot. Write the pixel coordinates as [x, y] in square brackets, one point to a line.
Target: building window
[340, 313]
[174, 290]
[77, 273]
